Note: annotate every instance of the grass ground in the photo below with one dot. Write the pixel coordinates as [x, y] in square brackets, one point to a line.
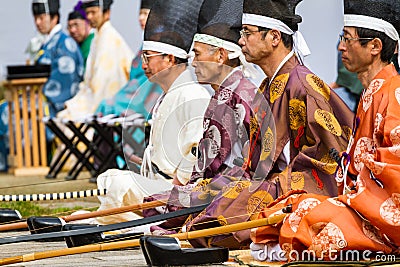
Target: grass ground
[28, 209]
[10, 184]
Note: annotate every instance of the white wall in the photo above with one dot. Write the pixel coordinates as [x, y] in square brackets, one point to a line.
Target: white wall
[17, 27]
[322, 23]
[321, 26]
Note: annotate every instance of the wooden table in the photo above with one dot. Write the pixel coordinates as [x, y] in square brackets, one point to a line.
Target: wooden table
[28, 154]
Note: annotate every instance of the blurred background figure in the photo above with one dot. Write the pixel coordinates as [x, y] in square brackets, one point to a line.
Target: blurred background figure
[80, 30]
[33, 47]
[108, 64]
[61, 52]
[145, 7]
[139, 95]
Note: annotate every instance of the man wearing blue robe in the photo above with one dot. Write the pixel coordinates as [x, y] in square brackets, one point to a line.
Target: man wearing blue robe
[61, 52]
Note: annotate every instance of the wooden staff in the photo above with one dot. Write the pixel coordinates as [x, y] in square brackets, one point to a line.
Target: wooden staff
[135, 243]
[100, 213]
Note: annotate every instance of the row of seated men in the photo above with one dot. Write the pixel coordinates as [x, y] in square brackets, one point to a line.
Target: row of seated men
[249, 151]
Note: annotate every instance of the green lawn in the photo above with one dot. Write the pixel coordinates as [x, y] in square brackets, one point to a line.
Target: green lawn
[28, 209]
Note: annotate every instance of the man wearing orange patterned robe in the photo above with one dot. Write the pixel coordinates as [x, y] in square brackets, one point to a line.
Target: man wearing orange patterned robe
[366, 215]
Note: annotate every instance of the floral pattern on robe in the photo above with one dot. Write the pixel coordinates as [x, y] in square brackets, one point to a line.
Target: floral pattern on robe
[65, 58]
[232, 103]
[309, 119]
[366, 216]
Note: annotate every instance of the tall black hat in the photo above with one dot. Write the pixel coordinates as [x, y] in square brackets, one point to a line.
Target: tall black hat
[378, 15]
[221, 19]
[220, 22]
[171, 26]
[283, 10]
[78, 13]
[147, 4]
[45, 7]
[279, 15]
[106, 4]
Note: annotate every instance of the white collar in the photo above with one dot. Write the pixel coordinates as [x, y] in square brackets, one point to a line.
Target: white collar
[53, 32]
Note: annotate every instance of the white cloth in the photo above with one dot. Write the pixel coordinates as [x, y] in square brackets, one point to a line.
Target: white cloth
[125, 188]
[267, 252]
[164, 48]
[107, 70]
[377, 24]
[300, 46]
[34, 46]
[236, 51]
[178, 127]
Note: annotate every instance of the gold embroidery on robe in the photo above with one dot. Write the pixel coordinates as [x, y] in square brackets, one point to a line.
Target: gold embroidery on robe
[257, 202]
[318, 85]
[253, 125]
[347, 131]
[267, 144]
[234, 191]
[326, 164]
[328, 121]
[297, 114]
[203, 187]
[278, 86]
[297, 180]
[222, 220]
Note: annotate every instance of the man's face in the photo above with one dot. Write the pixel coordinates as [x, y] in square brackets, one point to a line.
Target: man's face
[205, 62]
[43, 23]
[254, 47]
[95, 16]
[143, 15]
[78, 29]
[355, 58]
[152, 63]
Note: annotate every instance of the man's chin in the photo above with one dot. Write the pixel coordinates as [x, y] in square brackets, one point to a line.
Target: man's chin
[200, 78]
[203, 82]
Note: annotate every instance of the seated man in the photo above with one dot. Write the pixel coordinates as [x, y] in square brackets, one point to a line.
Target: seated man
[177, 115]
[80, 30]
[309, 119]
[227, 121]
[366, 215]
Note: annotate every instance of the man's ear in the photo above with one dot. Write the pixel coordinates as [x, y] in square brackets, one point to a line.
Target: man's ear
[222, 55]
[275, 36]
[170, 59]
[376, 46]
[107, 14]
[55, 18]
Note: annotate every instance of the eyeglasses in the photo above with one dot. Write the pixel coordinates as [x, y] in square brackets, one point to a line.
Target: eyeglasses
[347, 39]
[244, 33]
[145, 57]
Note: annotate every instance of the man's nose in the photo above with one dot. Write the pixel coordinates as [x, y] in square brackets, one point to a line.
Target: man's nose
[241, 41]
[341, 46]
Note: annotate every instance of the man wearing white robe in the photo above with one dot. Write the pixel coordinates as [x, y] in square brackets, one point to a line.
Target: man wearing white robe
[108, 64]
